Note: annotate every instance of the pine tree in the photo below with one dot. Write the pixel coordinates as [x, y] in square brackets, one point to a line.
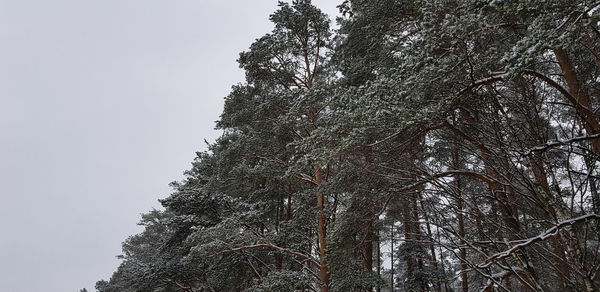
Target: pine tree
[426, 146]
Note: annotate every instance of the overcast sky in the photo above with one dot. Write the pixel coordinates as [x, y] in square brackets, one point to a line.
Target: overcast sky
[102, 104]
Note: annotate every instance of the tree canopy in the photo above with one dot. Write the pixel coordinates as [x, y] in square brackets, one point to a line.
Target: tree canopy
[422, 145]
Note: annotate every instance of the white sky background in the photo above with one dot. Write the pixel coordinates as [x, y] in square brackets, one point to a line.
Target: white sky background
[102, 104]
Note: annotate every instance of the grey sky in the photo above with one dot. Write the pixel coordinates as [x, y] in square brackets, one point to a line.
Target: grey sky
[102, 104]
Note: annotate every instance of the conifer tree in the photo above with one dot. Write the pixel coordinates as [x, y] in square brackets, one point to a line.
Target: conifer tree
[425, 146]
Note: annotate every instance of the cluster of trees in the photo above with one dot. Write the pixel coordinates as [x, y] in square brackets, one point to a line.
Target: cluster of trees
[425, 145]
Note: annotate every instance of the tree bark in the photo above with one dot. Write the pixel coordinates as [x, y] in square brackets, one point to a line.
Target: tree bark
[323, 269]
[582, 101]
[464, 277]
[392, 289]
[378, 254]
[505, 199]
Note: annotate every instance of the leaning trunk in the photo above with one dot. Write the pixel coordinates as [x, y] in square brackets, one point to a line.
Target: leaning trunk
[580, 99]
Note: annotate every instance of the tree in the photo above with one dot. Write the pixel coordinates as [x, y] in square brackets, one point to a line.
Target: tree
[450, 146]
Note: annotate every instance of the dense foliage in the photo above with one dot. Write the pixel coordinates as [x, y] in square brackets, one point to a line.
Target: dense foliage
[425, 145]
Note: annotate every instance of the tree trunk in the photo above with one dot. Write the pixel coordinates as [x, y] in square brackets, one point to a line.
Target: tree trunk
[392, 258]
[437, 284]
[411, 238]
[505, 198]
[367, 249]
[323, 269]
[582, 101]
[464, 277]
[378, 259]
[593, 183]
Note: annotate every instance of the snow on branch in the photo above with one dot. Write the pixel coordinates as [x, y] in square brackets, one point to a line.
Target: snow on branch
[543, 236]
[499, 277]
[307, 178]
[447, 104]
[276, 248]
[551, 144]
[451, 173]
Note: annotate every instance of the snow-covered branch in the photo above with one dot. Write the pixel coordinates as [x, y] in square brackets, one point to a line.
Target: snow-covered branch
[448, 104]
[276, 248]
[551, 144]
[541, 237]
[479, 176]
[499, 277]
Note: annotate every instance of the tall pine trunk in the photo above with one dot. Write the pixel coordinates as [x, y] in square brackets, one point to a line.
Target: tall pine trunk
[322, 220]
[464, 266]
[579, 97]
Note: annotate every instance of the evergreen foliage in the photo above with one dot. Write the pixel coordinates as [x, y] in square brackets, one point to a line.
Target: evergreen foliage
[425, 145]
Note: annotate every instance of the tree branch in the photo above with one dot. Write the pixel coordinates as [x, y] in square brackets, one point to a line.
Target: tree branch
[551, 144]
[276, 248]
[543, 236]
